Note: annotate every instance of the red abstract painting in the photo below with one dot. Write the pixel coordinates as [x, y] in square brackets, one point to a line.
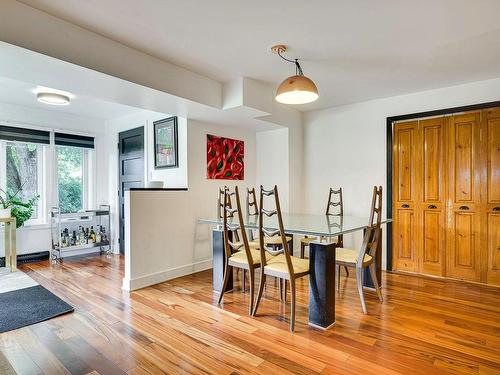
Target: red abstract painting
[225, 158]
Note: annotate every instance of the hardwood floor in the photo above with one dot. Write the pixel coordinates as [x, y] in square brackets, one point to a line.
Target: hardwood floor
[424, 326]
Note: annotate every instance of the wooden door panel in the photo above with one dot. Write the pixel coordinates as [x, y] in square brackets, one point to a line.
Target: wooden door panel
[405, 240]
[464, 244]
[432, 157]
[405, 195]
[464, 162]
[493, 248]
[433, 236]
[464, 236]
[431, 206]
[493, 160]
[465, 260]
[492, 193]
[406, 163]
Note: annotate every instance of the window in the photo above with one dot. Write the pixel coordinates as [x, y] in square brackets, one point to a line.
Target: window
[70, 173]
[24, 172]
[57, 167]
[73, 178]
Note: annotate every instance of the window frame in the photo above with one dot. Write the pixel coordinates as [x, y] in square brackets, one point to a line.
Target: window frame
[88, 170]
[42, 154]
[48, 181]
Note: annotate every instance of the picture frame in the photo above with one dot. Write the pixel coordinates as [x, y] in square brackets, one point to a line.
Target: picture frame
[166, 143]
[225, 158]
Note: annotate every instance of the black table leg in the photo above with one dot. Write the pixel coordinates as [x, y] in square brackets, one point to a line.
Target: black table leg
[219, 262]
[322, 284]
[367, 279]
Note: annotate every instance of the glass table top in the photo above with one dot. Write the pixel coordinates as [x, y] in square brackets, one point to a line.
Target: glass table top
[318, 225]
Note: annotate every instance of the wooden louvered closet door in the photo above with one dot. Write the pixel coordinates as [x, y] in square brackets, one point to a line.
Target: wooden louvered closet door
[446, 196]
[491, 193]
[420, 196]
[431, 205]
[464, 236]
[405, 187]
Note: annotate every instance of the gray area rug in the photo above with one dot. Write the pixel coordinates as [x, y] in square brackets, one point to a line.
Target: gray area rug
[28, 305]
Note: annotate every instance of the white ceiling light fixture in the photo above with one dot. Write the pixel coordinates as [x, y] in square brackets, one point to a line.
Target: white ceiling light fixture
[297, 89]
[52, 98]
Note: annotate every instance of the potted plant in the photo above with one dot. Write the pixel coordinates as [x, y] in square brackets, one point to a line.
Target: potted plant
[5, 204]
[12, 206]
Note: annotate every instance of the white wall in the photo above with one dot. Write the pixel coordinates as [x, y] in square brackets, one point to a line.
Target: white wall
[31, 239]
[165, 239]
[272, 163]
[346, 146]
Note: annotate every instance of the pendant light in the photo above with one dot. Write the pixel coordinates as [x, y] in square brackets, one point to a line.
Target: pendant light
[297, 89]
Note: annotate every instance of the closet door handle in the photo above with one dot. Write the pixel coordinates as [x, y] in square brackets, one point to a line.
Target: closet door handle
[405, 206]
[431, 206]
[465, 208]
[496, 208]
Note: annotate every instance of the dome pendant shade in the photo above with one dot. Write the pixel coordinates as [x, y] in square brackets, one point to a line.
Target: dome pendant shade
[297, 89]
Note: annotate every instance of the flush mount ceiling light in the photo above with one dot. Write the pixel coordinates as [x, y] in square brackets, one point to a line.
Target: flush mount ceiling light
[297, 89]
[52, 98]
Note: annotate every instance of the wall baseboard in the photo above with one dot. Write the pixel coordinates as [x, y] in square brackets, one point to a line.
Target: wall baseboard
[159, 277]
[28, 258]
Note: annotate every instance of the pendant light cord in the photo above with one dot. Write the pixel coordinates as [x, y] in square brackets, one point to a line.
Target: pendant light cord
[298, 69]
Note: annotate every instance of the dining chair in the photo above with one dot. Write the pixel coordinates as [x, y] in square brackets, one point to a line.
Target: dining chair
[365, 257]
[333, 202]
[238, 254]
[253, 210]
[221, 203]
[277, 263]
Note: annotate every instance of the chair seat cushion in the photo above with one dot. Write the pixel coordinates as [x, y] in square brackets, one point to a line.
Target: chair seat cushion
[308, 240]
[254, 244]
[343, 255]
[240, 257]
[277, 265]
[251, 244]
[329, 239]
[276, 240]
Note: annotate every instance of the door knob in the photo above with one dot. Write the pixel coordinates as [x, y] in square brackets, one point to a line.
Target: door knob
[431, 206]
[496, 208]
[463, 208]
[405, 206]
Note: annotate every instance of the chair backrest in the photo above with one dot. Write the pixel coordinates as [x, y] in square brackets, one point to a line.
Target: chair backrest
[376, 209]
[265, 232]
[252, 207]
[335, 207]
[373, 234]
[335, 200]
[220, 202]
[231, 227]
[221, 205]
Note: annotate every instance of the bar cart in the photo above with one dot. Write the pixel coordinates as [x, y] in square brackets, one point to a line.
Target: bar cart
[80, 233]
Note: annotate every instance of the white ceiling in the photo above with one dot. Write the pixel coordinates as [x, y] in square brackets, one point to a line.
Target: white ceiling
[22, 93]
[354, 50]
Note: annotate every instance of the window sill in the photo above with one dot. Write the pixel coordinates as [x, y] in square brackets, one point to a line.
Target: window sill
[28, 227]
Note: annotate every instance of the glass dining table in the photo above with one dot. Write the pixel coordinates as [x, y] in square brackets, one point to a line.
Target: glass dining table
[321, 255]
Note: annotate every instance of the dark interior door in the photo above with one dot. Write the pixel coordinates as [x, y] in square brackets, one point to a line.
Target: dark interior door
[131, 167]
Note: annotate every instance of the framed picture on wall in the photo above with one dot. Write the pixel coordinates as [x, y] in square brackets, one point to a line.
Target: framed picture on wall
[166, 142]
[225, 158]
